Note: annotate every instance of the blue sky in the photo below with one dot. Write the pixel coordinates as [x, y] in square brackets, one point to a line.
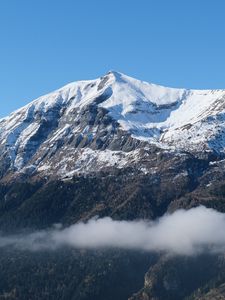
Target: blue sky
[48, 43]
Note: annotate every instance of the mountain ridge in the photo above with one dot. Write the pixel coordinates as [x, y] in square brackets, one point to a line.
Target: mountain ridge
[109, 121]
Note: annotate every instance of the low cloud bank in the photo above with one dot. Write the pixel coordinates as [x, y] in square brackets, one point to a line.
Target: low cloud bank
[187, 232]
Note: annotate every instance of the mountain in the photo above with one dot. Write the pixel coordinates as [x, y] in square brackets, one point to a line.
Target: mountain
[89, 125]
[115, 147]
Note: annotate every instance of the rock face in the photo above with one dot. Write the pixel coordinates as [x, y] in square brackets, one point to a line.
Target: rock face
[117, 147]
[89, 125]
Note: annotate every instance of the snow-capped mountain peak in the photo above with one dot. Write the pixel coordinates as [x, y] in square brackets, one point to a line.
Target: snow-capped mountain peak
[107, 120]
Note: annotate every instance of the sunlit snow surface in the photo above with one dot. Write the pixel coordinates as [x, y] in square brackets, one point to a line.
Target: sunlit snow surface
[167, 117]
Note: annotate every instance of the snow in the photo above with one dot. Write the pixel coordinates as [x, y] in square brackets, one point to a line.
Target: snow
[43, 168]
[88, 160]
[148, 110]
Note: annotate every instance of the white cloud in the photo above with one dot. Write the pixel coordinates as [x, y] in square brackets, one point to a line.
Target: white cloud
[184, 232]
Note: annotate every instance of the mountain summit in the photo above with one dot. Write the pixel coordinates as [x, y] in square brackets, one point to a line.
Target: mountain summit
[107, 122]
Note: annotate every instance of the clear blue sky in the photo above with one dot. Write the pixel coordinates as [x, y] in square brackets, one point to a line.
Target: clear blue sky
[45, 44]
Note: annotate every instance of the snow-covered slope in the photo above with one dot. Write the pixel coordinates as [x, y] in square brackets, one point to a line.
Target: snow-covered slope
[108, 121]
